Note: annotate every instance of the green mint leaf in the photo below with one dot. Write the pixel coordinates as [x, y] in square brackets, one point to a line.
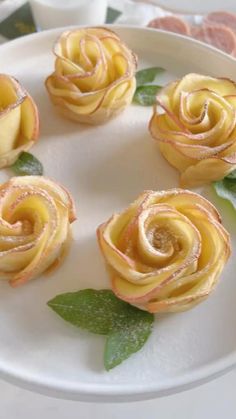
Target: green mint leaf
[89, 309]
[98, 311]
[101, 312]
[146, 95]
[231, 175]
[226, 189]
[27, 164]
[129, 338]
[147, 75]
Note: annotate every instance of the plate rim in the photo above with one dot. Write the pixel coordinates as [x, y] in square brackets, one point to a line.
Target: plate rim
[121, 392]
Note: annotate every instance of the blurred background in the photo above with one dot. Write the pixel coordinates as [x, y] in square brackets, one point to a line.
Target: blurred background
[195, 19]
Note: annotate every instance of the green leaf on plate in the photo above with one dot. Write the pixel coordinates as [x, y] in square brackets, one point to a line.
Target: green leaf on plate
[231, 175]
[226, 189]
[146, 95]
[129, 338]
[101, 312]
[89, 309]
[147, 75]
[27, 164]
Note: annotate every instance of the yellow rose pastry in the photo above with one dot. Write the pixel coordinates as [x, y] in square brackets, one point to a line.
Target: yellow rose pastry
[194, 123]
[94, 77]
[166, 251]
[19, 121]
[35, 217]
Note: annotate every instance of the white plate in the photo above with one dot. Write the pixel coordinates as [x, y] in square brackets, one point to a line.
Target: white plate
[106, 168]
[198, 7]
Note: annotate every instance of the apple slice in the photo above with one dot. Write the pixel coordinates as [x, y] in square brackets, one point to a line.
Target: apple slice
[19, 120]
[165, 252]
[35, 218]
[94, 77]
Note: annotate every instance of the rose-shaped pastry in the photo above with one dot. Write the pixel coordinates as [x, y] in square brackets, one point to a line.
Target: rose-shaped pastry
[166, 251]
[94, 77]
[35, 217]
[19, 121]
[195, 124]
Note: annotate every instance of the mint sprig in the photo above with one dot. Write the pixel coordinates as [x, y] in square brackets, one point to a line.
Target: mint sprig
[145, 93]
[127, 328]
[226, 189]
[130, 338]
[147, 75]
[231, 175]
[27, 164]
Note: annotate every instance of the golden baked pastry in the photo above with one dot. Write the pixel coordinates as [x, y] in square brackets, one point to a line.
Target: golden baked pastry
[165, 252]
[94, 76]
[194, 123]
[35, 217]
[19, 120]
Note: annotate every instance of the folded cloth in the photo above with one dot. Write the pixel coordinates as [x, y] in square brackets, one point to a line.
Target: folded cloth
[136, 13]
[15, 19]
[139, 12]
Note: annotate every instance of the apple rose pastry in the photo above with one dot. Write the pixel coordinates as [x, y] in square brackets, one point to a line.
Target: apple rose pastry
[35, 217]
[94, 77]
[166, 251]
[195, 124]
[19, 121]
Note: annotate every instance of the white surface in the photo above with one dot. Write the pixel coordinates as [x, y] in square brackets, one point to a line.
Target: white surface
[106, 168]
[53, 14]
[214, 400]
